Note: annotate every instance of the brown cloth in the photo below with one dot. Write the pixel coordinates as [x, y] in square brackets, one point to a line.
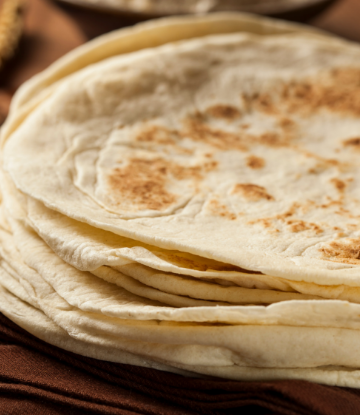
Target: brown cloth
[40, 379]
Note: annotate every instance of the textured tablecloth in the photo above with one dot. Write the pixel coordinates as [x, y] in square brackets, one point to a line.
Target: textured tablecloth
[39, 379]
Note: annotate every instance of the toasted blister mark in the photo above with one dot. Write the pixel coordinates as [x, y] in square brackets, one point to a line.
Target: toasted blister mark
[287, 123]
[340, 185]
[344, 250]
[255, 162]
[252, 192]
[196, 129]
[297, 225]
[337, 90]
[353, 143]
[271, 139]
[225, 112]
[259, 102]
[156, 134]
[144, 181]
[219, 209]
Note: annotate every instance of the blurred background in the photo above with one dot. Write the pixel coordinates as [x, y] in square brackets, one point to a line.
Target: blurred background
[34, 33]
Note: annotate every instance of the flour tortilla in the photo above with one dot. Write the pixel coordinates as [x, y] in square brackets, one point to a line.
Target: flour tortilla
[209, 345]
[22, 313]
[82, 247]
[213, 346]
[35, 252]
[172, 285]
[78, 243]
[45, 276]
[144, 35]
[189, 215]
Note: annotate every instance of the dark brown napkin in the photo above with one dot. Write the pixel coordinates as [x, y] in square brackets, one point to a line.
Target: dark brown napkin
[39, 379]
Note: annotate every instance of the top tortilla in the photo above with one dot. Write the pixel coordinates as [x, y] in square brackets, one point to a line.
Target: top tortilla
[237, 148]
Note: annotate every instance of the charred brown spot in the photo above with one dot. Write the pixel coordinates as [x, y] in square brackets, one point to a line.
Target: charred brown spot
[346, 251]
[339, 184]
[270, 139]
[142, 182]
[287, 123]
[352, 142]
[218, 209]
[337, 91]
[259, 102]
[300, 226]
[156, 135]
[199, 131]
[255, 162]
[252, 192]
[226, 112]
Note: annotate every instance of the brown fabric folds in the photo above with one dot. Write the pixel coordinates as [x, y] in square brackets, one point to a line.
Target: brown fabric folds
[36, 378]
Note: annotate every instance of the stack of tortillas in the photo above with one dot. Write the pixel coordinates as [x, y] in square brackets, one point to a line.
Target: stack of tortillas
[184, 195]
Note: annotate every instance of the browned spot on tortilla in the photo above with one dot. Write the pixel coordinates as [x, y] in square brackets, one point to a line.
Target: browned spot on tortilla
[298, 225]
[352, 226]
[331, 203]
[322, 162]
[307, 206]
[288, 213]
[252, 192]
[340, 234]
[272, 139]
[226, 112]
[269, 222]
[255, 162]
[339, 184]
[352, 142]
[286, 123]
[259, 102]
[198, 130]
[266, 223]
[142, 182]
[219, 209]
[156, 134]
[345, 251]
[337, 90]
[269, 139]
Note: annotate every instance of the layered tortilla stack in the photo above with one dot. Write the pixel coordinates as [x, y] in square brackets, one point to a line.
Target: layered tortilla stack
[183, 195]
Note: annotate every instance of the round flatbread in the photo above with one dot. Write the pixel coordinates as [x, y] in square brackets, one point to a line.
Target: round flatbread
[221, 156]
